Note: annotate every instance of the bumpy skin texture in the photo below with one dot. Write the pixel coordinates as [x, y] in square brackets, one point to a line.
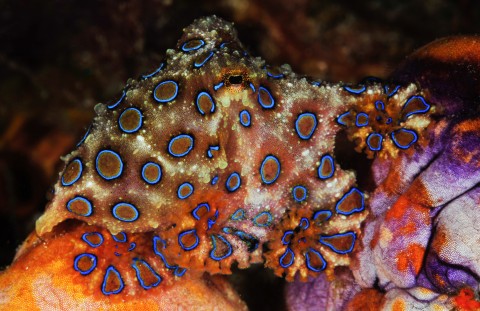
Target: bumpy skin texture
[216, 158]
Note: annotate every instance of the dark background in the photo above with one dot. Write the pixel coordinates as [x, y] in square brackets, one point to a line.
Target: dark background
[59, 58]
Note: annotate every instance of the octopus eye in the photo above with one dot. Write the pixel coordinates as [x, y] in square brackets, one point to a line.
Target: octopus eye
[235, 79]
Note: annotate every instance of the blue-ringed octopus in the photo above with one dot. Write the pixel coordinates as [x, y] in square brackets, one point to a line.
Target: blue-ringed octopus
[217, 160]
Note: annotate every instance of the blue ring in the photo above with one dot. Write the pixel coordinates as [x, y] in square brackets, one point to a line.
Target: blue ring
[303, 197]
[309, 135]
[355, 91]
[318, 213]
[84, 136]
[427, 106]
[155, 181]
[288, 264]
[77, 259]
[212, 110]
[274, 158]
[86, 235]
[199, 206]
[111, 269]
[308, 263]
[132, 246]
[188, 248]
[214, 241]
[210, 148]
[339, 118]
[326, 157]
[214, 180]
[355, 210]
[379, 145]
[260, 101]
[304, 224]
[120, 170]
[114, 212]
[414, 140]
[124, 94]
[139, 121]
[144, 77]
[326, 243]
[271, 75]
[77, 177]
[198, 65]
[381, 104]
[80, 198]
[122, 240]
[249, 119]
[139, 276]
[185, 49]
[358, 124]
[267, 223]
[285, 234]
[238, 215]
[185, 184]
[179, 155]
[168, 99]
[386, 88]
[237, 185]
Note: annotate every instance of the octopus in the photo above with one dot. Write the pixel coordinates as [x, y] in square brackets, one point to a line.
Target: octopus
[216, 161]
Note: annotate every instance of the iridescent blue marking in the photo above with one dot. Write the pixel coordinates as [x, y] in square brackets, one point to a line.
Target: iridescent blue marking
[116, 155]
[340, 118]
[212, 221]
[262, 175]
[389, 120]
[199, 206]
[393, 92]
[303, 193]
[223, 44]
[274, 76]
[415, 138]
[117, 254]
[325, 158]
[123, 239]
[380, 105]
[271, 102]
[354, 90]
[287, 234]
[85, 237]
[322, 212]
[238, 215]
[118, 102]
[198, 65]
[139, 274]
[360, 124]
[266, 223]
[356, 209]
[252, 87]
[304, 224]
[232, 188]
[203, 93]
[166, 100]
[244, 114]
[193, 48]
[130, 206]
[214, 242]
[210, 148]
[177, 270]
[150, 181]
[418, 111]
[173, 140]
[374, 148]
[79, 174]
[144, 77]
[194, 245]
[288, 252]
[112, 270]
[324, 240]
[79, 198]
[132, 246]
[214, 180]
[312, 130]
[180, 190]
[139, 125]
[84, 136]
[308, 260]
[93, 259]
[316, 83]
[217, 86]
